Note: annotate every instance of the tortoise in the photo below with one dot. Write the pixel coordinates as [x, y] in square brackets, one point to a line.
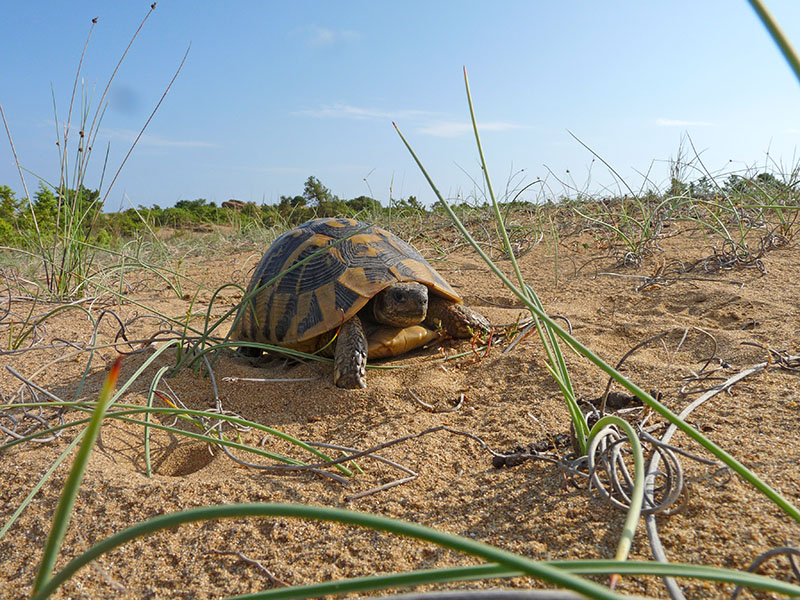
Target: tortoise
[381, 296]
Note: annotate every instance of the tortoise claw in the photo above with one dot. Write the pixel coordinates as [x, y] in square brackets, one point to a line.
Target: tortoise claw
[350, 381]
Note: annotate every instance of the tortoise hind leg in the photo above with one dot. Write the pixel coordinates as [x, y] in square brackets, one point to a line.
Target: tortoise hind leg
[456, 319]
[350, 356]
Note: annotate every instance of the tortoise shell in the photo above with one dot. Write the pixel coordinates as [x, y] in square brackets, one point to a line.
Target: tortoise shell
[347, 263]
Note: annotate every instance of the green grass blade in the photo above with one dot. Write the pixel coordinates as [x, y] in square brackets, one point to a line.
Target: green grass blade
[637, 495]
[549, 341]
[778, 36]
[494, 571]
[504, 558]
[503, 563]
[382, 582]
[498, 217]
[70, 491]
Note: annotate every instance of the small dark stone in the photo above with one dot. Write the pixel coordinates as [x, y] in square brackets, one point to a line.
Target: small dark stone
[498, 462]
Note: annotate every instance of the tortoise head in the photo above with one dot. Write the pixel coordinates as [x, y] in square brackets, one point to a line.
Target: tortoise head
[401, 304]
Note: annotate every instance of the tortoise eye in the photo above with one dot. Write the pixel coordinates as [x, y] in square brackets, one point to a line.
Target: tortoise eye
[398, 295]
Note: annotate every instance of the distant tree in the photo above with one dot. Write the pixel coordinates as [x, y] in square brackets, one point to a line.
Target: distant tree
[412, 201]
[702, 188]
[289, 202]
[8, 234]
[409, 203]
[364, 204]
[127, 223]
[199, 210]
[45, 200]
[9, 208]
[153, 216]
[45, 207]
[322, 199]
[196, 205]
[251, 210]
[735, 184]
[771, 184]
[291, 210]
[317, 194]
[9, 205]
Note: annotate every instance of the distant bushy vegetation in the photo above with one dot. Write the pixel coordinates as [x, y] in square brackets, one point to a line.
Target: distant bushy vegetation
[22, 222]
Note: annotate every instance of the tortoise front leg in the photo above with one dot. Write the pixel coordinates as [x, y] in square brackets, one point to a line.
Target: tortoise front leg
[456, 319]
[350, 356]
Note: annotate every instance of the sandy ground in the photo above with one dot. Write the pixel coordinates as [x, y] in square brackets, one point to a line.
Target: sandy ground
[509, 400]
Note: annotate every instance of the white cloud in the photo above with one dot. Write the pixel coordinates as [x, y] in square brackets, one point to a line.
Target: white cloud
[346, 111]
[322, 36]
[457, 128]
[128, 136]
[430, 123]
[660, 122]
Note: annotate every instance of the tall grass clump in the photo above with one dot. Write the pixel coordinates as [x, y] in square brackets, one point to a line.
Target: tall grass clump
[64, 216]
[742, 214]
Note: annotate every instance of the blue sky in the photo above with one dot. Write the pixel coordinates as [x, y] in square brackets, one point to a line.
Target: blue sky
[273, 92]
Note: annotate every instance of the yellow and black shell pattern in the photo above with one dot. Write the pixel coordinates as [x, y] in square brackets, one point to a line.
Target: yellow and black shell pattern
[350, 263]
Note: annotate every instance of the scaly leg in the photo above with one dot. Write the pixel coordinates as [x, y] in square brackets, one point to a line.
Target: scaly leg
[456, 319]
[350, 356]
